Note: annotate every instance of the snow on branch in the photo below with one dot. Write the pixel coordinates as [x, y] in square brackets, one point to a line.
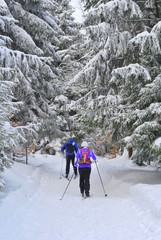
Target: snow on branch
[110, 11]
[23, 40]
[35, 26]
[25, 62]
[132, 72]
[147, 41]
[5, 40]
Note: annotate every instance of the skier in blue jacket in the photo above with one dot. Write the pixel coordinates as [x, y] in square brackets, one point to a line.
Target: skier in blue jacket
[70, 149]
[84, 163]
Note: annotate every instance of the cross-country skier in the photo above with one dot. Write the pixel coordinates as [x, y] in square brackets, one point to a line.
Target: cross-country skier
[70, 149]
[84, 163]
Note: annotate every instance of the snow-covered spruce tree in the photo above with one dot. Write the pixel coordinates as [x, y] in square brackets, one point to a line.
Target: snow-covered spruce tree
[32, 34]
[140, 101]
[124, 61]
[137, 115]
[11, 137]
[88, 4]
[19, 52]
[69, 49]
[71, 55]
[151, 11]
[106, 46]
[7, 137]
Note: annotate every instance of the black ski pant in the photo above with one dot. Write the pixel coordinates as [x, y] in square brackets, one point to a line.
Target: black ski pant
[68, 160]
[84, 182]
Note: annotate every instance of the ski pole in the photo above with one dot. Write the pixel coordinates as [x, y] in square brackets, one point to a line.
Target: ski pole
[67, 186]
[101, 180]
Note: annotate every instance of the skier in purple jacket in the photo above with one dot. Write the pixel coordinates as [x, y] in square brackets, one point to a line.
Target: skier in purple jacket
[84, 164]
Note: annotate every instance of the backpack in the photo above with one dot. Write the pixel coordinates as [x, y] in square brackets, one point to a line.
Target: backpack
[84, 157]
[70, 149]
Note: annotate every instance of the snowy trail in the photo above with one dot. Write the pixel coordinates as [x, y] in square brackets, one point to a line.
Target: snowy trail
[35, 208]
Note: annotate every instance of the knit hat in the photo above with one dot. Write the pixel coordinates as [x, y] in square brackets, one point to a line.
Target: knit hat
[84, 144]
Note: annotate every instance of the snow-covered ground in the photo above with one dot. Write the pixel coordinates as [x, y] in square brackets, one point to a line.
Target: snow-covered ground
[31, 209]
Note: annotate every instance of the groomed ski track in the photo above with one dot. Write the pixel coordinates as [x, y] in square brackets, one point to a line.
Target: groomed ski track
[36, 208]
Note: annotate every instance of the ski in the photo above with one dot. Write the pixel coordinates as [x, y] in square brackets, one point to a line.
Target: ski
[67, 178]
[75, 176]
[83, 198]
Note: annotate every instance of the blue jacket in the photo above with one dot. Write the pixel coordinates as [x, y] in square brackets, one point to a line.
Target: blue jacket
[75, 148]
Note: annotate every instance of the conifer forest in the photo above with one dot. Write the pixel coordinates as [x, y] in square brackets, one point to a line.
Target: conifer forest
[98, 80]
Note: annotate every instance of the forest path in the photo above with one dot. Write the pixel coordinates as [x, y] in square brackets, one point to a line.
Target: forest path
[35, 208]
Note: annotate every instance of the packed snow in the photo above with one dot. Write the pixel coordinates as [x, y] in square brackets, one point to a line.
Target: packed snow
[31, 208]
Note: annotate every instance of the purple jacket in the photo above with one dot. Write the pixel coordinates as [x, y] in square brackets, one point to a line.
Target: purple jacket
[79, 155]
